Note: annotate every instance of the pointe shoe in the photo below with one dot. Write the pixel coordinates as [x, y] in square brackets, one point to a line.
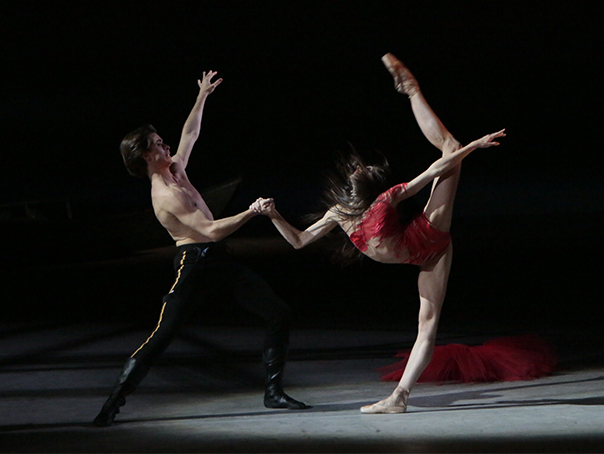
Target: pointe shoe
[404, 82]
[389, 405]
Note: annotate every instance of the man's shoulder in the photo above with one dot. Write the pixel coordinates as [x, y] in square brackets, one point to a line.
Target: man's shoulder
[177, 168]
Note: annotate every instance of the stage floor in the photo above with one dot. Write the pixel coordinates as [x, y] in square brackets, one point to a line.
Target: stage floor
[205, 395]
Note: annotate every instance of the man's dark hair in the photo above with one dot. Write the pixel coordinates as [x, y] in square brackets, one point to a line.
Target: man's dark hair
[132, 148]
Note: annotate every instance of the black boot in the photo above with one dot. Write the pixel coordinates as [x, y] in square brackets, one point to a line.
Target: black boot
[274, 396]
[131, 375]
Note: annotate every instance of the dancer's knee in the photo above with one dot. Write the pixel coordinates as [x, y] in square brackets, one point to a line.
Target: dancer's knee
[427, 325]
[450, 144]
[278, 325]
[429, 315]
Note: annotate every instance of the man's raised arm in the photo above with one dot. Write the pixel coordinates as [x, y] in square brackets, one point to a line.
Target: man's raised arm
[190, 131]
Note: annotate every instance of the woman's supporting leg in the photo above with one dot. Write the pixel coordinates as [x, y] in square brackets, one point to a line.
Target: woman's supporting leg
[432, 284]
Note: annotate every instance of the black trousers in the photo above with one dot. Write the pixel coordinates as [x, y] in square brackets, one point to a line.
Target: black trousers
[202, 269]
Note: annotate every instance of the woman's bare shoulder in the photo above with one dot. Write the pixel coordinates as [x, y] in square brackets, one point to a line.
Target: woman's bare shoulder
[342, 216]
[336, 212]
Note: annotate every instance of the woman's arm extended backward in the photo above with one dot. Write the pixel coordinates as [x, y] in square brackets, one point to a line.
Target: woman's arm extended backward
[297, 238]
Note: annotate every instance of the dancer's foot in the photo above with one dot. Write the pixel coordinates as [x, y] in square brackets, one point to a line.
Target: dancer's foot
[396, 403]
[404, 82]
[274, 397]
[109, 411]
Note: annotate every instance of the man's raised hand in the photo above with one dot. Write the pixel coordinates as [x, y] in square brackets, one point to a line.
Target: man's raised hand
[206, 85]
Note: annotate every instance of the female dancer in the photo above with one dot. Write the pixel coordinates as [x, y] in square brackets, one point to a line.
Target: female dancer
[373, 224]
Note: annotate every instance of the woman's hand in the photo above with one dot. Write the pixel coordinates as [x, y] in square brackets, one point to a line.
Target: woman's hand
[487, 141]
[206, 86]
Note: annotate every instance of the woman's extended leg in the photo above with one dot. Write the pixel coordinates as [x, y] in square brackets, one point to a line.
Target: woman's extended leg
[432, 284]
[429, 123]
[439, 208]
[434, 130]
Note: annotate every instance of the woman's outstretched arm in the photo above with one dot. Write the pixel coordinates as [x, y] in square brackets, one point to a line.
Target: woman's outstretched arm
[447, 163]
[297, 238]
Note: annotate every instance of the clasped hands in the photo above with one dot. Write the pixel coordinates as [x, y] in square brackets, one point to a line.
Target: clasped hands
[263, 206]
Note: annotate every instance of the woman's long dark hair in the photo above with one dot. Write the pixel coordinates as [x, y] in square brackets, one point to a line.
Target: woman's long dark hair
[350, 197]
[356, 185]
[351, 190]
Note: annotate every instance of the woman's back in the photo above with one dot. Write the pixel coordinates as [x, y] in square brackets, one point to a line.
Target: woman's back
[379, 234]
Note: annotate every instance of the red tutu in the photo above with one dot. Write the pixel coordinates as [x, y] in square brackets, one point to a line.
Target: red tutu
[502, 359]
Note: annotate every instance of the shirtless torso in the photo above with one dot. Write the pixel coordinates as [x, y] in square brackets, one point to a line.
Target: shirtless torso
[176, 194]
[178, 206]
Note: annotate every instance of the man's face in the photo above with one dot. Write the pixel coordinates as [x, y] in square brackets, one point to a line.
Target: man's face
[159, 152]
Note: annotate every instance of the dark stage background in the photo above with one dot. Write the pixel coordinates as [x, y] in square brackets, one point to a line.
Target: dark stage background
[302, 80]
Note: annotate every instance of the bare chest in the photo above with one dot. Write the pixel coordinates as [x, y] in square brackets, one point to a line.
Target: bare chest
[181, 191]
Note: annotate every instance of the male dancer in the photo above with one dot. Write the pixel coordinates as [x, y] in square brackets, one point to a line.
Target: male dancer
[201, 264]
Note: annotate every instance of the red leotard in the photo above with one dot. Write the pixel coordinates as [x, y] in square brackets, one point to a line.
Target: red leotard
[420, 239]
